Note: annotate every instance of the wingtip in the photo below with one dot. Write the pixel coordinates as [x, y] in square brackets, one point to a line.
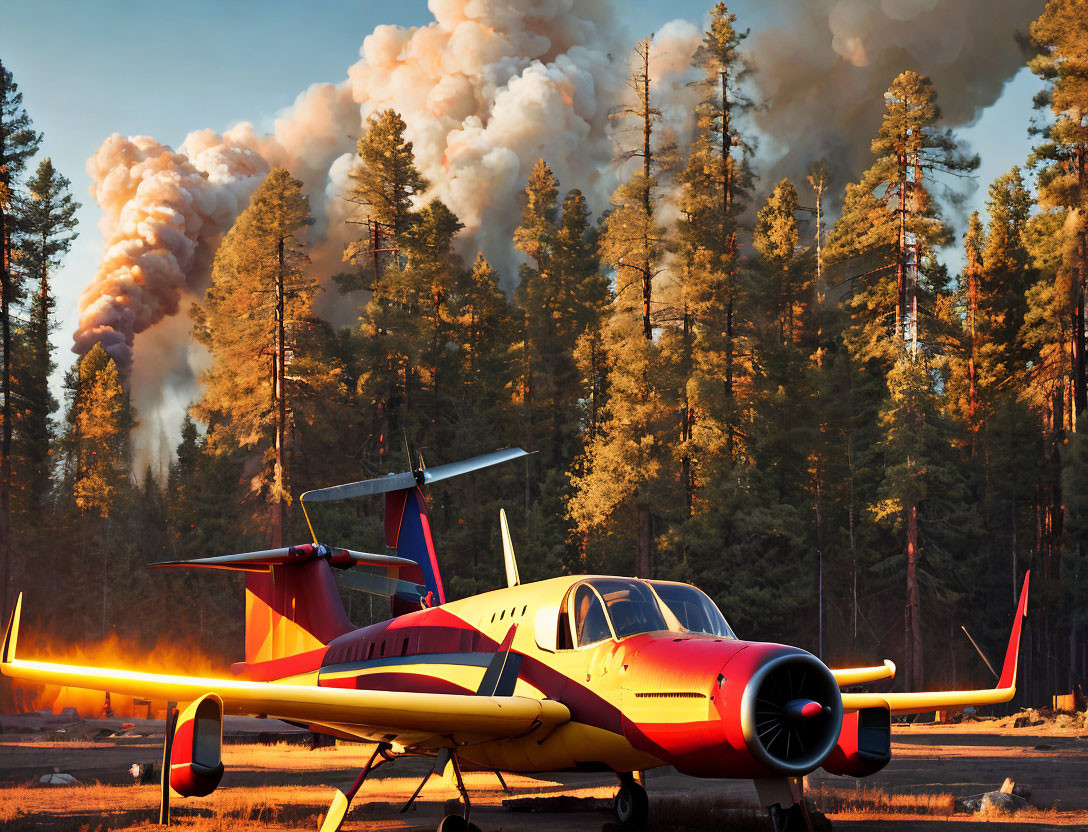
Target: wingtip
[1012, 653]
[888, 663]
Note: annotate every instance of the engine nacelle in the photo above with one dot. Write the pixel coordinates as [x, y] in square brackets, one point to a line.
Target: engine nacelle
[724, 708]
[865, 744]
[196, 756]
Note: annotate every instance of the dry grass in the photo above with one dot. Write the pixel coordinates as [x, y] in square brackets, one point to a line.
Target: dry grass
[289, 757]
[869, 801]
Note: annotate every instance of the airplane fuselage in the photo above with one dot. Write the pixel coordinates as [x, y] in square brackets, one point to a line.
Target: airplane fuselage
[666, 696]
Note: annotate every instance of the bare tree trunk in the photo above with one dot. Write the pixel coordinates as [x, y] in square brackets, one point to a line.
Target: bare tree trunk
[645, 540]
[5, 383]
[279, 404]
[647, 159]
[913, 615]
[1080, 394]
[901, 247]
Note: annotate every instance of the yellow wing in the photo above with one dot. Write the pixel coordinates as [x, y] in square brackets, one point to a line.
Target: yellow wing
[861, 675]
[922, 701]
[467, 718]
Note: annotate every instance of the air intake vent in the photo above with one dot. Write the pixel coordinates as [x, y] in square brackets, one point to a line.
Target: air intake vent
[791, 713]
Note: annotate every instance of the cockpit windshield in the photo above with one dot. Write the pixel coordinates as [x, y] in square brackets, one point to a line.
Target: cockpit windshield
[693, 609]
[631, 605]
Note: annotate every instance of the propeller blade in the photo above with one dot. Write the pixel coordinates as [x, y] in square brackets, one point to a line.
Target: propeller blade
[399, 482]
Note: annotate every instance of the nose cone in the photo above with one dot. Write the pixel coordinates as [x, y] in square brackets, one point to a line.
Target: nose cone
[800, 711]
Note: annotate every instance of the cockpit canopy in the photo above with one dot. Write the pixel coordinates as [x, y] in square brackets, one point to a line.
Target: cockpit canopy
[693, 609]
[598, 609]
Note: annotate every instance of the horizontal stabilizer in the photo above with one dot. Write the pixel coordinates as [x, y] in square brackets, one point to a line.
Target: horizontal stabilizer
[399, 482]
[264, 560]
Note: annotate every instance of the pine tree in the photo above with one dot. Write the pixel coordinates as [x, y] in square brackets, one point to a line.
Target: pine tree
[780, 298]
[890, 224]
[885, 240]
[1061, 35]
[256, 317]
[625, 473]
[408, 328]
[561, 295]
[98, 480]
[714, 189]
[44, 230]
[921, 479]
[18, 142]
[383, 184]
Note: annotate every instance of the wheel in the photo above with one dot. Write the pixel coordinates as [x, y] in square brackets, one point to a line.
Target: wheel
[632, 805]
[790, 819]
[453, 823]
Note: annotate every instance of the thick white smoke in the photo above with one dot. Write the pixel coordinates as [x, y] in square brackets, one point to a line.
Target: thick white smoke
[163, 215]
[485, 89]
[822, 71]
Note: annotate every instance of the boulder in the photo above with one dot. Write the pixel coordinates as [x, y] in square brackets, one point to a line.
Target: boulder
[1007, 803]
[57, 779]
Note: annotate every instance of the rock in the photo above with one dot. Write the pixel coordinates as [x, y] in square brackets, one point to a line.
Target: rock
[1001, 802]
[1022, 790]
[967, 804]
[57, 779]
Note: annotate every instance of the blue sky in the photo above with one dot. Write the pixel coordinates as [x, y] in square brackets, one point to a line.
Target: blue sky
[89, 69]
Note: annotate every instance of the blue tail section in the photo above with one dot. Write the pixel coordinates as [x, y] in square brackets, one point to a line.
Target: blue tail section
[408, 530]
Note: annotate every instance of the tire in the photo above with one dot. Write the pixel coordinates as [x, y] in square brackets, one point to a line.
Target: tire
[453, 823]
[631, 805]
[790, 819]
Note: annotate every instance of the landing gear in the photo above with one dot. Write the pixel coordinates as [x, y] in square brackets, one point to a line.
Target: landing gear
[450, 823]
[341, 802]
[790, 819]
[632, 805]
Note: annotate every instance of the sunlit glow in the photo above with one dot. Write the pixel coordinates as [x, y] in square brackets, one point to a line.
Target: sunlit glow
[175, 658]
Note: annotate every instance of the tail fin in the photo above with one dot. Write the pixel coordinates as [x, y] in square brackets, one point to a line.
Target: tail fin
[291, 609]
[408, 531]
[292, 603]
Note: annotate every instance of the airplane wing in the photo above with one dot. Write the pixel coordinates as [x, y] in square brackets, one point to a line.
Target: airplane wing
[861, 675]
[466, 718]
[922, 701]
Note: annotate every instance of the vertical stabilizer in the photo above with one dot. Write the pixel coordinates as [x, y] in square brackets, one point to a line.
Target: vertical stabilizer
[291, 609]
[511, 562]
[408, 530]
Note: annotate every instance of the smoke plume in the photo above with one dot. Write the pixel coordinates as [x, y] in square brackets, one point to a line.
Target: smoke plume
[485, 89]
[163, 215]
[823, 71]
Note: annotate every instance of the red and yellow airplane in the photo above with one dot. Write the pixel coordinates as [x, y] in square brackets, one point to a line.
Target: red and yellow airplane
[592, 673]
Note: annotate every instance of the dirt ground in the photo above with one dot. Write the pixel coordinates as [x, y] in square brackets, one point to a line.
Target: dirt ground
[287, 786]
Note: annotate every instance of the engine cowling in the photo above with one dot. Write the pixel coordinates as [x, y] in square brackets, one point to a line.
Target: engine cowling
[865, 744]
[781, 711]
[196, 755]
[725, 708]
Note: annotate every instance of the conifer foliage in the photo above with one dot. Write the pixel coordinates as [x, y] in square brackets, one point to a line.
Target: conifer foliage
[779, 391]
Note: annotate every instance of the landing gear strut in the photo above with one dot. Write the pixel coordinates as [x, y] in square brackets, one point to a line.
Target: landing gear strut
[450, 823]
[342, 802]
[632, 805]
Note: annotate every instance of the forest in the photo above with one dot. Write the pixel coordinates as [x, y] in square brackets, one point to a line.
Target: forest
[776, 391]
